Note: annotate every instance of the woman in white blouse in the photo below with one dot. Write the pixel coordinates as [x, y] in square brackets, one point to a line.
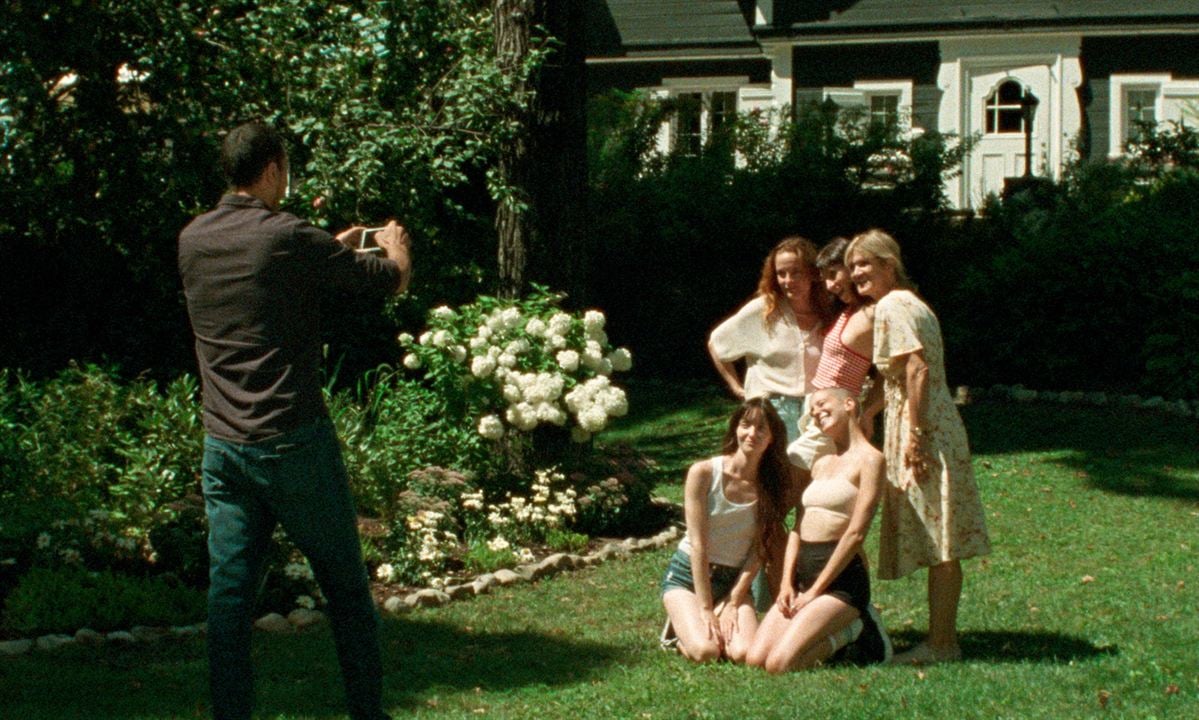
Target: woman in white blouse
[778, 333]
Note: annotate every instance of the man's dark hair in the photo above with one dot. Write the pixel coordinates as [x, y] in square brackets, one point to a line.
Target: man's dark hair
[248, 149]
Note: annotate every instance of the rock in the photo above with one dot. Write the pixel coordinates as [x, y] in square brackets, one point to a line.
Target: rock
[1019, 394]
[459, 592]
[184, 631]
[301, 618]
[1157, 402]
[1097, 398]
[273, 623]
[119, 636]
[146, 634]
[482, 583]
[395, 605]
[506, 577]
[1053, 397]
[430, 598]
[54, 642]
[12, 648]
[525, 571]
[87, 636]
[574, 560]
[592, 559]
[551, 565]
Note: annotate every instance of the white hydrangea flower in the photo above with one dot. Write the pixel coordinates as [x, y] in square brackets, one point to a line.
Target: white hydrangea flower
[517, 346]
[483, 332]
[535, 327]
[522, 416]
[442, 338]
[593, 418]
[605, 367]
[482, 366]
[306, 602]
[498, 544]
[593, 322]
[551, 413]
[510, 318]
[492, 428]
[385, 572]
[444, 312]
[458, 353]
[568, 360]
[508, 360]
[556, 342]
[405, 338]
[425, 337]
[559, 323]
[512, 391]
[614, 402]
[412, 361]
[621, 359]
[593, 355]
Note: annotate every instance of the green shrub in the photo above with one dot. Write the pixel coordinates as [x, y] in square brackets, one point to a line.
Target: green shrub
[65, 599]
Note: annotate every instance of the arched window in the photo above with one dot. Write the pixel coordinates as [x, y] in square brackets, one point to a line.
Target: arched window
[1004, 113]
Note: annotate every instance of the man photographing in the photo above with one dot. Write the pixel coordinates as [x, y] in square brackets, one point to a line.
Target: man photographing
[253, 277]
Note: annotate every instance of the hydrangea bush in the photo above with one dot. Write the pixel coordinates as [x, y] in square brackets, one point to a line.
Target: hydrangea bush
[513, 366]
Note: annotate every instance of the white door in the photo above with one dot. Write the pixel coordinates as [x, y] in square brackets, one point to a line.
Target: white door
[996, 118]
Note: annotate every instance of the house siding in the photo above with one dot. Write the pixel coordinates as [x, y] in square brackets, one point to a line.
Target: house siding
[817, 67]
[1103, 56]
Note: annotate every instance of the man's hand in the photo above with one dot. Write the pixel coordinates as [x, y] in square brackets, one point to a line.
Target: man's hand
[351, 237]
[396, 244]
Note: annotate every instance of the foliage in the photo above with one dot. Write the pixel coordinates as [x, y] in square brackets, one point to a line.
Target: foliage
[67, 598]
[1092, 279]
[98, 462]
[115, 109]
[684, 236]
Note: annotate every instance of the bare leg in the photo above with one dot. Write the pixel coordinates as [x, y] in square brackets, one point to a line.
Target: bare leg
[696, 640]
[944, 593]
[803, 640]
[737, 647]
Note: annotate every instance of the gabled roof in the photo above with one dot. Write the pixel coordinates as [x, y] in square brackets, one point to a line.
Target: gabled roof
[803, 17]
[664, 27]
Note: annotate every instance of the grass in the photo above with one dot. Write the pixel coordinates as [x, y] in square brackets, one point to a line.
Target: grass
[1087, 608]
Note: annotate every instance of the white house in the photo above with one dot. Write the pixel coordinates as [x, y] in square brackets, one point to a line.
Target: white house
[1093, 67]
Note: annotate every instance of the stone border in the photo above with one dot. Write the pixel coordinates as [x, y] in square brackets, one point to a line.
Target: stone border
[302, 618]
[1020, 394]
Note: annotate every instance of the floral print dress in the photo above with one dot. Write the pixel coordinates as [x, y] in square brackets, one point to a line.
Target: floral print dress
[940, 518]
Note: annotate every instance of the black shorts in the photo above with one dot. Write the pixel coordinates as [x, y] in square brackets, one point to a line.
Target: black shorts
[852, 586]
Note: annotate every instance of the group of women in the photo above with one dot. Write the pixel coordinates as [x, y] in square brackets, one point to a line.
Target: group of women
[817, 326]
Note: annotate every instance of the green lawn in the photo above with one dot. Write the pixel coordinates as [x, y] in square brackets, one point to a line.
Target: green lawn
[1089, 607]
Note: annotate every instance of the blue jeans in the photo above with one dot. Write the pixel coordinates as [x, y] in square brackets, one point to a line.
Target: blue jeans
[298, 481]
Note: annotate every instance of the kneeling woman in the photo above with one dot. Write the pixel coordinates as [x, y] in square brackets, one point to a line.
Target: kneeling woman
[825, 591]
[734, 506]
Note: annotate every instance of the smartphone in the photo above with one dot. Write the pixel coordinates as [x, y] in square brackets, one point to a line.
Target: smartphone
[369, 243]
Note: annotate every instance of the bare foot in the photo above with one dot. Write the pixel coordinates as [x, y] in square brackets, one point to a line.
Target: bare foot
[925, 654]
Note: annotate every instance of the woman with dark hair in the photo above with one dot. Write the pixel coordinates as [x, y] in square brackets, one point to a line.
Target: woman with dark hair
[932, 515]
[733, 503]
[777, 333]
[825, 594]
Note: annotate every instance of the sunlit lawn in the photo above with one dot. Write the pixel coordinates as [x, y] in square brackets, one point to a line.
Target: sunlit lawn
[1089, 607]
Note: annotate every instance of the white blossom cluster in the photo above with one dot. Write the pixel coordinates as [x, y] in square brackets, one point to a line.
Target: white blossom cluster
[528, 517]
[545, 371]
[434, 543]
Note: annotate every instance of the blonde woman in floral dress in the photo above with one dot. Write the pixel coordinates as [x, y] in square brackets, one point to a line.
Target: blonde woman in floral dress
[932, 516]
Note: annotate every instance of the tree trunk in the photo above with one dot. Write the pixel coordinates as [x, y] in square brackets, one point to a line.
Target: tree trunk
[540, 228]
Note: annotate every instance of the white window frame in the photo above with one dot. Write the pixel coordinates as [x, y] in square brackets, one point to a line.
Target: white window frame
[863, 90]
[1164, 85]
[706, 86]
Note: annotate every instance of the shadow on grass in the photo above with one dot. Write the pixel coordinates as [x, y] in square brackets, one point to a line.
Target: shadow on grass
[1116, 450]
[1002, 646]
[296, 676]
[420, 655]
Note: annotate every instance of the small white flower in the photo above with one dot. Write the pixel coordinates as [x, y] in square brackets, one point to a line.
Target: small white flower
[473, 501]
[482, 366]
[507, 360]
[458, 353]
[405, 338]
[556, 342]
[492, 428]
[535, 327]
[560, 323]
[412, 361]
[443, 312]
[621, 359]
[306, 602]
[498, 543]
[525, 555]
[483, 332]
[477, 343]
[43, 541]
[593, 321]
[517, 346]
[425, 337]
[593, 419]
[568, 360]
[441, 338]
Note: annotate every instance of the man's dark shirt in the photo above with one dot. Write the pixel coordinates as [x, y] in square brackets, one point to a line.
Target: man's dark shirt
[253, 279]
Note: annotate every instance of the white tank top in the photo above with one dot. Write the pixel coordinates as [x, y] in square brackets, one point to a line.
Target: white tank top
[731, 526]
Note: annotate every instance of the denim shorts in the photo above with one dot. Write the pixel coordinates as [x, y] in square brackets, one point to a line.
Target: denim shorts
[678, 575]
